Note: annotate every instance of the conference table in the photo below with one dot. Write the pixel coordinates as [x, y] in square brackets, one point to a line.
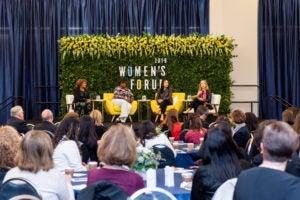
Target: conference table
[80, 178]
[186, 158]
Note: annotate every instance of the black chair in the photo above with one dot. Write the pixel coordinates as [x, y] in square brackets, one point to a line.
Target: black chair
[167, 155]
[182, 134]
[15, 187]
[102, 190]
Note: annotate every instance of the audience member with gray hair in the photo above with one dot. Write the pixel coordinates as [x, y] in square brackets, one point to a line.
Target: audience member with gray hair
[17, 119]
[269, 181]
[47, 123]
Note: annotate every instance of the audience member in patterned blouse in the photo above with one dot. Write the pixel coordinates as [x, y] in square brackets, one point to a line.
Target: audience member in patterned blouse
[82, 98]
[123, 97]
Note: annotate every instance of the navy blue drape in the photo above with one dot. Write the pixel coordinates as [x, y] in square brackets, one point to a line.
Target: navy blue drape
[29, 31]
[279, 54]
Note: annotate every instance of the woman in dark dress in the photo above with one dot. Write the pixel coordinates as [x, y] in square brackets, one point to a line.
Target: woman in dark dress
[82, 98]
[164, 98]
[203, 97]
[96, 115]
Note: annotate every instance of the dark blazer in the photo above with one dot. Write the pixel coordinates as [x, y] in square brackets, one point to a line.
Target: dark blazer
[46, 125]
[18, 124]
[242, 136]
[165, 94]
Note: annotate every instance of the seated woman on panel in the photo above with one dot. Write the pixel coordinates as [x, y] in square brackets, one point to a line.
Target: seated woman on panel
[82, 98]
[148, 136]
[117, 152]
[9, 145]
[172, 124]
[163, 98]
[34, 163]
[203, 97]
[66, 146]
[196, 130]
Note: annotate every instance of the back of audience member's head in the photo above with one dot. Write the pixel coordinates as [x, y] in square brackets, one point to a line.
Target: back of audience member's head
[279, 142]
[47, 115]
[251, 121]
[287, 116]
[296, 125]
[225, 124]
[171, 118]
[16, 111]
[202, 110]
[67, 129]
[147, 130]
[219, 151]
[195, 122]
[258, 134]
[9, 145]
[71, 114]
[96, 115]
[35, 152]
[238, 116]
[87, 130]
[117, 146]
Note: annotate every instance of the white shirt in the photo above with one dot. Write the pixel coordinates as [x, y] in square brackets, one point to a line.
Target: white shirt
[51, 184]
[66, 155]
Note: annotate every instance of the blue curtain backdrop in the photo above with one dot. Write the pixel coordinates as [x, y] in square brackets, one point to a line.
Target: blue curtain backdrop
[279, 54]
[29, 30]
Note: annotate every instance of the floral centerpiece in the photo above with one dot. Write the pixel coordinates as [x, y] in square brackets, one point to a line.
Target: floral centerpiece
[146, 159]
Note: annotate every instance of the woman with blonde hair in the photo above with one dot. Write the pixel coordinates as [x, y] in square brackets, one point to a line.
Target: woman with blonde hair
[203, 96]
[34, 163]
[96, 115]
[9, 145]
[117, 151]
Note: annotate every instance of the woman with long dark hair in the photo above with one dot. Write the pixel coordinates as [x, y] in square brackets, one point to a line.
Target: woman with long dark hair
[219, 163]
[163, 98]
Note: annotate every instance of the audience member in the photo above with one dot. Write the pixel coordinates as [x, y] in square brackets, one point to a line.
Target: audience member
[117, 151]
[163, 98]
[66, 147]
[82, 98]
[123, 97]
[9, 145]
[148, 136]
[203, 96]
[240, 133]
[202, 112]
[47, 123]
[34, 163]
[287, 116]
[296, 125]
[98, 120]
[196, 130]
[172, 124]
[87, 135]
[17, 119]
[219, 163]
[278, 143]
[251, 121]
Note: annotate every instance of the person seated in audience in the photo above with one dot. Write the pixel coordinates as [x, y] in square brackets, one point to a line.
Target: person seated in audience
[219, 163]
[123, 97]
[34, 163]
[202, 112]
[9, 145]
[148, 137]
[241, 133]
[87, 135]
[252, 123]
[163, 98]
[117, 152]
[17, 120]
[269, 181]
[287, 116]
[196, 130]
[172, 124]
[296, 125]
[203, 97]
[96, 115]
[82, 98]
[66, 146]
[47, 124]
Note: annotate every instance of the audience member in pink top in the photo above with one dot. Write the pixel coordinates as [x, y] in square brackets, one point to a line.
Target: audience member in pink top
[196, 130]
[117, 151]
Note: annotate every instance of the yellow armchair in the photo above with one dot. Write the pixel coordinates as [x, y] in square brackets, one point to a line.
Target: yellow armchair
[178, 104]
[113, 110]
